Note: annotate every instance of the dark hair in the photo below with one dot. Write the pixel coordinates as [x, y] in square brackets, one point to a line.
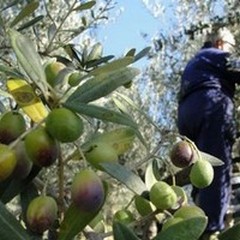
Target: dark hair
[207, 44]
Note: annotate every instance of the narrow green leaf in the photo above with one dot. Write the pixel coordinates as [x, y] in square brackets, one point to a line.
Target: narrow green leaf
[114, 65]
[10, 72]
[120, 105]
[28, 58]
[150, 177]
[74, 222]
[100, 113]
[13, 187]
[213, 160]
[105, 114]
[2, 107]
[96, 52]
[125, 176]
[142, 54]
[102, 85]
[121, 139]
[31, 22]
[5, 94]
[131, 52]
[96, 62]
[26, 11]
[232, 233]
[122, 232]
[10, 228]
[85, 6]
[191, 228]
[11, 4]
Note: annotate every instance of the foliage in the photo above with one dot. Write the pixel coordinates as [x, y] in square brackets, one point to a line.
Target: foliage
[97, 88]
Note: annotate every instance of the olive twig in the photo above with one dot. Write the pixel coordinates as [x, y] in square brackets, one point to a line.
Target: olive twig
[61, 184]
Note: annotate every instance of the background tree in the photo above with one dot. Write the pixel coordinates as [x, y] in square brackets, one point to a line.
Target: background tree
[84, 112]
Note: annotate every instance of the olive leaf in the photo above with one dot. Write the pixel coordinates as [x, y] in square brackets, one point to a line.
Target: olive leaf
[232, 233]
[122, 232]
[26, 11]
[25, 50]
[105, 115]
[10, 228]
[125, 176]
[102, 84]
[191, 228]
[210, 158]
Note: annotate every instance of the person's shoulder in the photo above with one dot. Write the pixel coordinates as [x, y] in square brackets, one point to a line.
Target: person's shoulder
[212, 52]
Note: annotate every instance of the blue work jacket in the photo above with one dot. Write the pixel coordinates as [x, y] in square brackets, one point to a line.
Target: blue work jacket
[209, 68]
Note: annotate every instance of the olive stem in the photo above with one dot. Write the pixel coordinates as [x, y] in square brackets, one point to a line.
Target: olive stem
[61, 185]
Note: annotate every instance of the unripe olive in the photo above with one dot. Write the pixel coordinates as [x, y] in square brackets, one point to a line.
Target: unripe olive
[64, 125]
[41, 213]
[74, 79]
[124, 216]
[52, 70]
[8, 161]
[162, 195]
[24, 164]
[182, 154]
[201, 174]
[101, 153]
[41, 148]
[12, 125]
[87, 191]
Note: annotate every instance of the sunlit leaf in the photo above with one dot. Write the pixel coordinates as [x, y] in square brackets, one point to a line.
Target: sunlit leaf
[26, 11]
[131, 52]
[28, 58]
[114, 65]
[96, 52]
[102, 85]
[10, 228]
[120, 105]
[122, 232]
[26, 98]
[213, 160]
[121, 139]
[126, 177]
[85, 6]
[191, 228]
[150, 177]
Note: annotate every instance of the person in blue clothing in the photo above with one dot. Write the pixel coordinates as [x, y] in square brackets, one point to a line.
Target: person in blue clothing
[206, 116]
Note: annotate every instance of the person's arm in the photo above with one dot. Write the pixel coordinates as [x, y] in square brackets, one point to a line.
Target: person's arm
[233, 68]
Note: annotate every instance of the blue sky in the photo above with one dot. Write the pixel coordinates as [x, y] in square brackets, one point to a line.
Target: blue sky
[125, 32]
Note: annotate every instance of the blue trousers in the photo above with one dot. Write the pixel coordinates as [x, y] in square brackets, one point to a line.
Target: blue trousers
[207, 118]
